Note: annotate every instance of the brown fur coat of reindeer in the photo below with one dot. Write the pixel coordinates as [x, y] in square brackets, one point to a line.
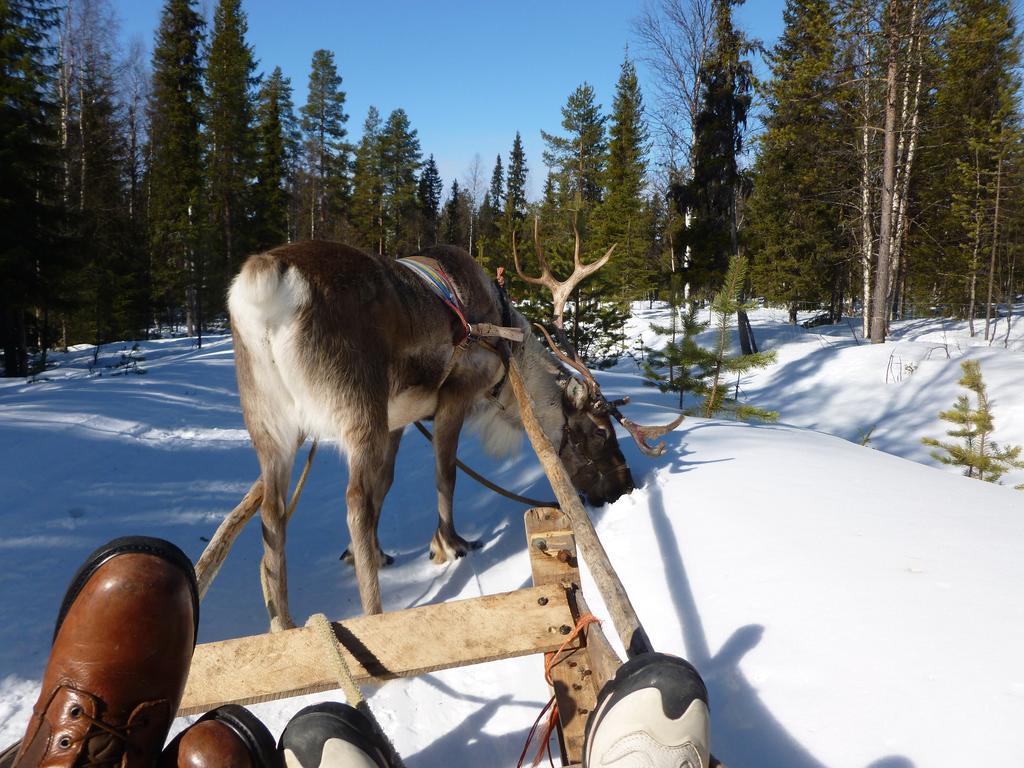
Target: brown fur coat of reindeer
[331, 342]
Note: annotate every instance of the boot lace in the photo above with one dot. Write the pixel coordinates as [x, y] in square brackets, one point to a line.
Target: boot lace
[112, 753]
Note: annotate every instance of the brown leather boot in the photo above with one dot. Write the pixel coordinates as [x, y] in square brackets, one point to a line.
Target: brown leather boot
[120, 658]
[226, 737]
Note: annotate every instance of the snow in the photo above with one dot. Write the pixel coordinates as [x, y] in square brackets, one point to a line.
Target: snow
[847, 605]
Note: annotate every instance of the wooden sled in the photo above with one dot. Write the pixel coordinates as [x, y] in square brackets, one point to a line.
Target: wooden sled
[535, 620]
[374, 649]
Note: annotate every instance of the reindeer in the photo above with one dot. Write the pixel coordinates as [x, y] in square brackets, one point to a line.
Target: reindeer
[332, 342]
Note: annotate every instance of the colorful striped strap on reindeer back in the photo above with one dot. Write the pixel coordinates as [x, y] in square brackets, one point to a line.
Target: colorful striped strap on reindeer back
[430, 271]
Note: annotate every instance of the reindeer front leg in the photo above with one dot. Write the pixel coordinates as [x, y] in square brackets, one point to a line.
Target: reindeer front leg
[447, 544]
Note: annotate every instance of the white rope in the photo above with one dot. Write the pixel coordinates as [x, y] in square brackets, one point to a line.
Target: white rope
[336, 661]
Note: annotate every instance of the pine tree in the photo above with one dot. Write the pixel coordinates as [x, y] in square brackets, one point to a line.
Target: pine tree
[230, 142]
[367, 205]
[29, 254]
[176, 172]
[400, 160]
[682, 365]
[725, 305]
[580, 156]
[713, 194]
[277, 148]
[794, 222]
[323, 123]
[428, 198]
[977, 453]
[622, 217]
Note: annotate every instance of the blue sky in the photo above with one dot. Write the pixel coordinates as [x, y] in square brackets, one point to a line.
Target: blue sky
[469, 73]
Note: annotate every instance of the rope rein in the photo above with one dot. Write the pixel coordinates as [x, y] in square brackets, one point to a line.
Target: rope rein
[320, 624]
[488, 483]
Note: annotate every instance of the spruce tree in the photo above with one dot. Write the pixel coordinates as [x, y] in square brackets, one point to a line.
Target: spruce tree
[104, 297]
[976, 122]
[794, 218]
[230, 142]
[497, 188]
[367, 205]
[30, 257]
[514, 210]
[176, 173]
[977, 453]
[622, 217]
[277, 148]
[453, 223]
[713, 194]
[400, 161]
[428, 198]
[488, 247]
[327, 161]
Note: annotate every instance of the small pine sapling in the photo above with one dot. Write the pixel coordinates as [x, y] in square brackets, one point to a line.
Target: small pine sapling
[725, 305]
[686, 361]
[701, 371]
[980, 456]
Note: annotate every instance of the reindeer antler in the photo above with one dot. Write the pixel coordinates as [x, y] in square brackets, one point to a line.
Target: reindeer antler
[560, 289]
[642, 434]
[588, 377]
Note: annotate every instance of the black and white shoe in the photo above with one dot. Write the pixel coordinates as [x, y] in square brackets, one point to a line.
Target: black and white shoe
[652, 714]
[331, 735]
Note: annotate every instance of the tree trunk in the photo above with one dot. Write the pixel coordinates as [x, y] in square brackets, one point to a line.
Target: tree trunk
[12, 336]
[995, 245]
[911, 107]
[879, 308]
[866, 248]
[977, 245]
[1009, 297]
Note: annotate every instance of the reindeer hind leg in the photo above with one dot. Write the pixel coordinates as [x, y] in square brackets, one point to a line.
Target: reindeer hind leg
[275, 469]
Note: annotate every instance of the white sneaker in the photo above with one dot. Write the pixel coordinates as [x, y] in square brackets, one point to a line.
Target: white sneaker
[652, 714]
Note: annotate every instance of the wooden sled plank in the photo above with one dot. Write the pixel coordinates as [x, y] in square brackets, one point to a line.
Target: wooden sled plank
[415, 641]
[552, 550]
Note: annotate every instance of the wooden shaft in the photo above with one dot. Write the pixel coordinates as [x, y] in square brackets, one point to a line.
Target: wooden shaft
[217, 550]
[627, 624]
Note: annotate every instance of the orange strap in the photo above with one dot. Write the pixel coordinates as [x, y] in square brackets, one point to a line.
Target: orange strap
[549, 728]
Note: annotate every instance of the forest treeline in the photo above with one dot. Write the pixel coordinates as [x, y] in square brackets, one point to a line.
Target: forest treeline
[876, 169]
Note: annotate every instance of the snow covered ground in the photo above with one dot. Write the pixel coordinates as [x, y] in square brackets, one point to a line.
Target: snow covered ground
[848, 607]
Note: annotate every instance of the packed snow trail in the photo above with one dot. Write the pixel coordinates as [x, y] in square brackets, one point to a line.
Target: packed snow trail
[848, 608]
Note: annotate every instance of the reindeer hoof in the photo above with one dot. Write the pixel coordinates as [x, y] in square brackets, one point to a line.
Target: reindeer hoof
[442, 550]
[383, 559]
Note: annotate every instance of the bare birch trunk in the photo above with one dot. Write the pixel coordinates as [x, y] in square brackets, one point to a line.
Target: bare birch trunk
[905, 153]
[879, 308]
[866, 249]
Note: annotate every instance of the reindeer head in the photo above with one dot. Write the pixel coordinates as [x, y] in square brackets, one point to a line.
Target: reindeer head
[589, 449]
